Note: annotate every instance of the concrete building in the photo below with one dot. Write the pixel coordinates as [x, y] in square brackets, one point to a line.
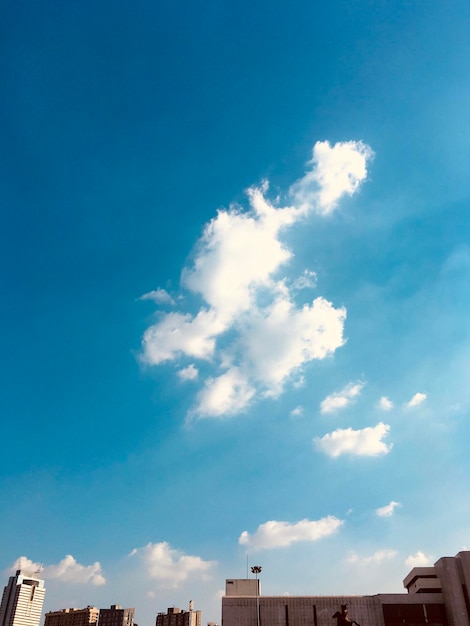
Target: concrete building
[116, 616]
[72, 617]
[435, 596]
[22, 601]
[175, 617]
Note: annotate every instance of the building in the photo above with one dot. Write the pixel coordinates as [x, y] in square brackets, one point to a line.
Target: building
[22, 601]
[175, 617]
[72, 617]
[435, 596]
[116, 616]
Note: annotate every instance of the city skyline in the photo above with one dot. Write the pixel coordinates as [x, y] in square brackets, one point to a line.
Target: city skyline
[235, 278]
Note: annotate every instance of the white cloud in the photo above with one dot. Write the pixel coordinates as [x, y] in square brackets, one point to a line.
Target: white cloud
[418, 560]
[418, 398]
[364, 442]
[336, 171]
[275, 534]
[341, 399]
[308, 280]
[189, 373]
[385, 403]
[378, 557]
[388, 509]
[68, 570]
[297, 412]
[227, 394]
[159, 296]
[171, 567]
[249, 328]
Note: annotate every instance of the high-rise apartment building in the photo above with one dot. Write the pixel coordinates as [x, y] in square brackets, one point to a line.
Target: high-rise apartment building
[72, 617]
[22, 601]
[116, 616]
[175, 617]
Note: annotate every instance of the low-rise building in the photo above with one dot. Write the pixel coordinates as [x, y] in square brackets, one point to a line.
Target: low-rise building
[436, 596]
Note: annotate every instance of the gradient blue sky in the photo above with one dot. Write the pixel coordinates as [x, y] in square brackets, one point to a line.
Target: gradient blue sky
[125, 128]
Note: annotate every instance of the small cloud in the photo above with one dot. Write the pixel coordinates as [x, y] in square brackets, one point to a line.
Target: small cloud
[341, 399]
[171, 567]
[275, 534]
[159, 296]
[299, 383]
[68, 570]
[297, 412]
[417, 399]
[308, 280]
[418, 560]
[189, 373]
[376, 558]
[364, 442]
[385, 403]
[387, 510]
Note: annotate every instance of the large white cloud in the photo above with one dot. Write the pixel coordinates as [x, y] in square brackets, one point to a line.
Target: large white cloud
[275, 534]
[171, 567]
[341, 399]
[67, 570]
[363, 442]
[249, 328]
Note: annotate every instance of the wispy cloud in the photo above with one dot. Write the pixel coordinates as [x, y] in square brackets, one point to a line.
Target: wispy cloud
[68, 570]
[297, 412]
[171, 567]
[385, 403]
[418, 560]
[341, 399]
[417, 399]
[249, 328]
[363, 442]
[376, 558]
[159, 296]
[275, 534]
[387, 510]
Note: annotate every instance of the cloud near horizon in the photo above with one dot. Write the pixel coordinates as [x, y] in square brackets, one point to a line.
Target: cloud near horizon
[249, 327]
[418, 560]
[275, 534]
[363, 442]
[171, 567]
[376, 558]
[68, 570]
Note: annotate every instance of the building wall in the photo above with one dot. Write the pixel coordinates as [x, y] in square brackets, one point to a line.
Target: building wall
[116, 616]
[437, 596]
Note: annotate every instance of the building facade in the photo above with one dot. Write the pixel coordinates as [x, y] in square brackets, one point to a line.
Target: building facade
[435, 596]
[175, 617]
[116, 616]
[72, 617]
[22, 601]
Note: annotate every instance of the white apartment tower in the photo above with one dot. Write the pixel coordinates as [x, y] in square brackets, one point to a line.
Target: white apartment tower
[22, 601]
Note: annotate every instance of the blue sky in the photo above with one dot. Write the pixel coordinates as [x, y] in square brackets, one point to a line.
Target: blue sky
[235, 280]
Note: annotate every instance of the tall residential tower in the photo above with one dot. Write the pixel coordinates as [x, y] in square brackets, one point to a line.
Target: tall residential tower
[22, 601]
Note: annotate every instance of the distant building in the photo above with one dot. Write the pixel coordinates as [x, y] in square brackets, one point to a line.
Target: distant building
[22, 601]
[116, 616]
[175, 617]
[72, 617]
[436, 596]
